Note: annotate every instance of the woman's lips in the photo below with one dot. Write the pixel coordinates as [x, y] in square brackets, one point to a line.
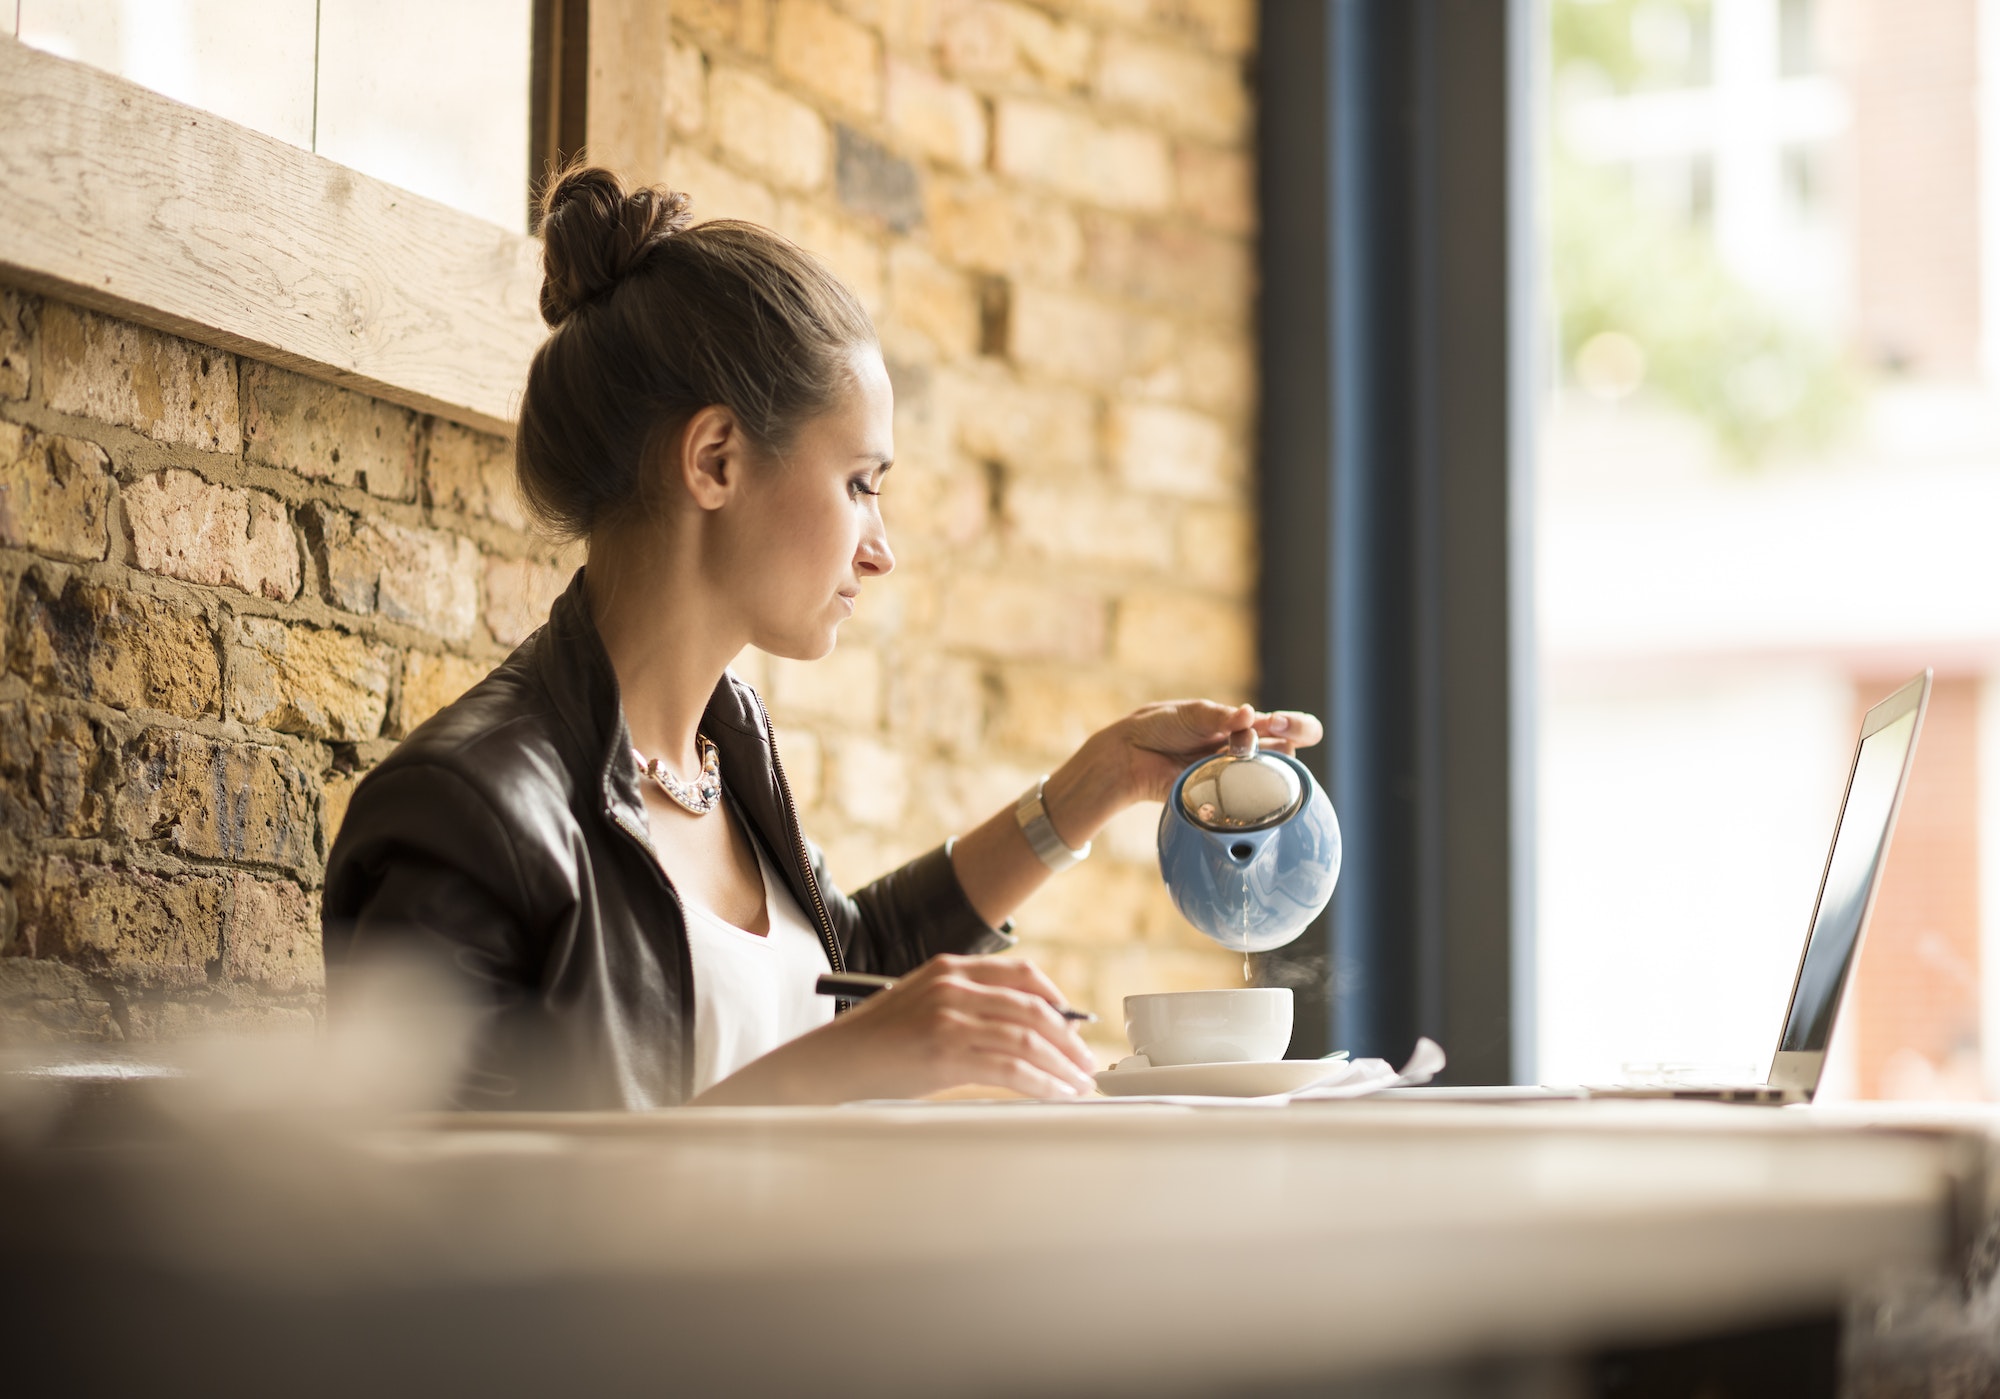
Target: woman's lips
[848, 598]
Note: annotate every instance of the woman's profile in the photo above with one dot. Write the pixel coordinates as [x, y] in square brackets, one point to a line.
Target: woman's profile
[598, 840]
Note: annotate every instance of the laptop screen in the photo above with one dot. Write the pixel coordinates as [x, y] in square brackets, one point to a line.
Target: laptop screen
[1850, 874]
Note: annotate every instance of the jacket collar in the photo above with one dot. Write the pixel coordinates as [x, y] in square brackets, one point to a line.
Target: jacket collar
[576, 670]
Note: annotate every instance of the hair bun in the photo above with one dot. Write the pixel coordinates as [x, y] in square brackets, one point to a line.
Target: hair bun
[594, 232]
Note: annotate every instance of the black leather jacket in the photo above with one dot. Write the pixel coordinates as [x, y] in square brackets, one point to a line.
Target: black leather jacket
[506, 839]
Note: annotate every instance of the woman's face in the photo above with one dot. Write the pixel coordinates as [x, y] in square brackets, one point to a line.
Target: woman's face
[809, 529]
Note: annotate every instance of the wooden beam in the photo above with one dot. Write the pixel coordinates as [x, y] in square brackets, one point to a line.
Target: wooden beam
[122, 200]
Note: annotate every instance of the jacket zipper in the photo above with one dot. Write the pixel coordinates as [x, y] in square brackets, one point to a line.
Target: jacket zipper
[798, 834]
[645, 844]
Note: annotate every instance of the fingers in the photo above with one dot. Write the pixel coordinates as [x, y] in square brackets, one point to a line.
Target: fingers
[1019, 1044]
[1204, 722]
[1287, 730]
[1002, 1071]
[1011, 992]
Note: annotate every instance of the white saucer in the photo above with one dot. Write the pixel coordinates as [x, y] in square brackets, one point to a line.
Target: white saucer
[1218, 1080]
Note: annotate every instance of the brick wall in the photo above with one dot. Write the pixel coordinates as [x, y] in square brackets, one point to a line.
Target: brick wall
[1047, 208]
[228, 590]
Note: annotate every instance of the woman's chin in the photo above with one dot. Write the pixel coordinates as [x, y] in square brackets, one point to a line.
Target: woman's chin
[803, 648]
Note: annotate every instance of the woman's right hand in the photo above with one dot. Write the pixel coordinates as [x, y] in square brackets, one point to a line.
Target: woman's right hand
[953, 1021]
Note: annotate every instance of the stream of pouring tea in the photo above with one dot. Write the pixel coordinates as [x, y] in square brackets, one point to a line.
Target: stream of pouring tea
[1245, 904]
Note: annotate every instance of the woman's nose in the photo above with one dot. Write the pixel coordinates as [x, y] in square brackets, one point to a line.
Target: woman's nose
[874, 557]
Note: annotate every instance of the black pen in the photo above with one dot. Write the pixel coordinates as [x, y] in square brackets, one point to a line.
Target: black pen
[855, 986]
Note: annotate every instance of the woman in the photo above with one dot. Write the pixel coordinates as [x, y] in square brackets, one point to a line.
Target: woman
[598, 839]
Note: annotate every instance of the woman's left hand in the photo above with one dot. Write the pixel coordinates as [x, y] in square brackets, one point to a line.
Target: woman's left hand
[1138, 757]
[1162, 739]
[1135, 759]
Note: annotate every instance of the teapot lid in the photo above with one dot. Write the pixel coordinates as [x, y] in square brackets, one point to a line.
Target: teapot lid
[1241, 790]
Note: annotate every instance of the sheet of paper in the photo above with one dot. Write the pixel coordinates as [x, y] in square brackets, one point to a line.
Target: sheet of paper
[1348, 1078]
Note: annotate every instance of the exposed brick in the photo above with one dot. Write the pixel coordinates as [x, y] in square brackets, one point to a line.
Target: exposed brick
[1013, 617]
[121, 649]
[472, 473]
[1183, 269]
[1216, 373]
[1117, 167]
[1108, 905]
[939, 120]
[117, 372]
[999, 41]
[1029, 428]
[1068, 523]
[430, 682]
[870, 780]
[17, 338]
[1186, 638]
[906, 25]
[336, 790]
[1082, 339]
[519, 593]
[1174, 87]
[141, 929]
[686, 96]
[48, 772]
[426, 578]
[989, 229]
[326, 433]
[1215, 187]
[936, 513]
[1134, 13]
[191, 529]
[1049, 711]
[805, 765]
[43, 1002]
[941, 700]
[743, 23]
[271, 936]
[851, 253]
[823, 51]
[774, 134]
[718, 193]
[55, 494]
[1159, 447]
[932, 301]
[844, 685]
[1227, 26]
[212, 1012]
[307, 680]
[216, 800]
[871, 179]
[1218, 548]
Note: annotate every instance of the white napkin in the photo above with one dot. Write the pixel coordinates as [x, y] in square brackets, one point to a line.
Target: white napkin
[1357, 1078]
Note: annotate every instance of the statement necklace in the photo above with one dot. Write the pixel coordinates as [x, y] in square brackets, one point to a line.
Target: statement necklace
[699, 796]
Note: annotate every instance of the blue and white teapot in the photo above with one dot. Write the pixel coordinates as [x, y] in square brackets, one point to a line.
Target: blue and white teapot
[1249, 846]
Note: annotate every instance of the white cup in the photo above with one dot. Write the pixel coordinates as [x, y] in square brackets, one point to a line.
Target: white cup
[1252, 1024]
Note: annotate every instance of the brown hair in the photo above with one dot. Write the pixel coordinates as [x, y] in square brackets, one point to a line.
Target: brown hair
[652, 319]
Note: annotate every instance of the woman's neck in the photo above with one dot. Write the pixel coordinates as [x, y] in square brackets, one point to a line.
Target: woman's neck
[668, 638]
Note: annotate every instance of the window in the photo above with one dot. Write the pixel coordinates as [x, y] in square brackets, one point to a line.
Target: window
[432, 96]
[1769, 483]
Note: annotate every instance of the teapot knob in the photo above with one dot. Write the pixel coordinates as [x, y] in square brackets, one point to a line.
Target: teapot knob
[1242, 743]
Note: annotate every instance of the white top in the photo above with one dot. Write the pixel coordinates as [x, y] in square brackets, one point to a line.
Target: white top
[751, 993]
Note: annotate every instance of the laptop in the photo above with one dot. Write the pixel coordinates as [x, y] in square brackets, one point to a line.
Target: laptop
[1876, 777]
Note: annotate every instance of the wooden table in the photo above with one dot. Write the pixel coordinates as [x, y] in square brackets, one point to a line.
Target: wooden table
[1003, 1249]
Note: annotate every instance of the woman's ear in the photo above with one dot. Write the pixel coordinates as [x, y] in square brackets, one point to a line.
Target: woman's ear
[712, 456]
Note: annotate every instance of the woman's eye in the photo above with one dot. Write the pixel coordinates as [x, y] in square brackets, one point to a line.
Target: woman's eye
[859, 486]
